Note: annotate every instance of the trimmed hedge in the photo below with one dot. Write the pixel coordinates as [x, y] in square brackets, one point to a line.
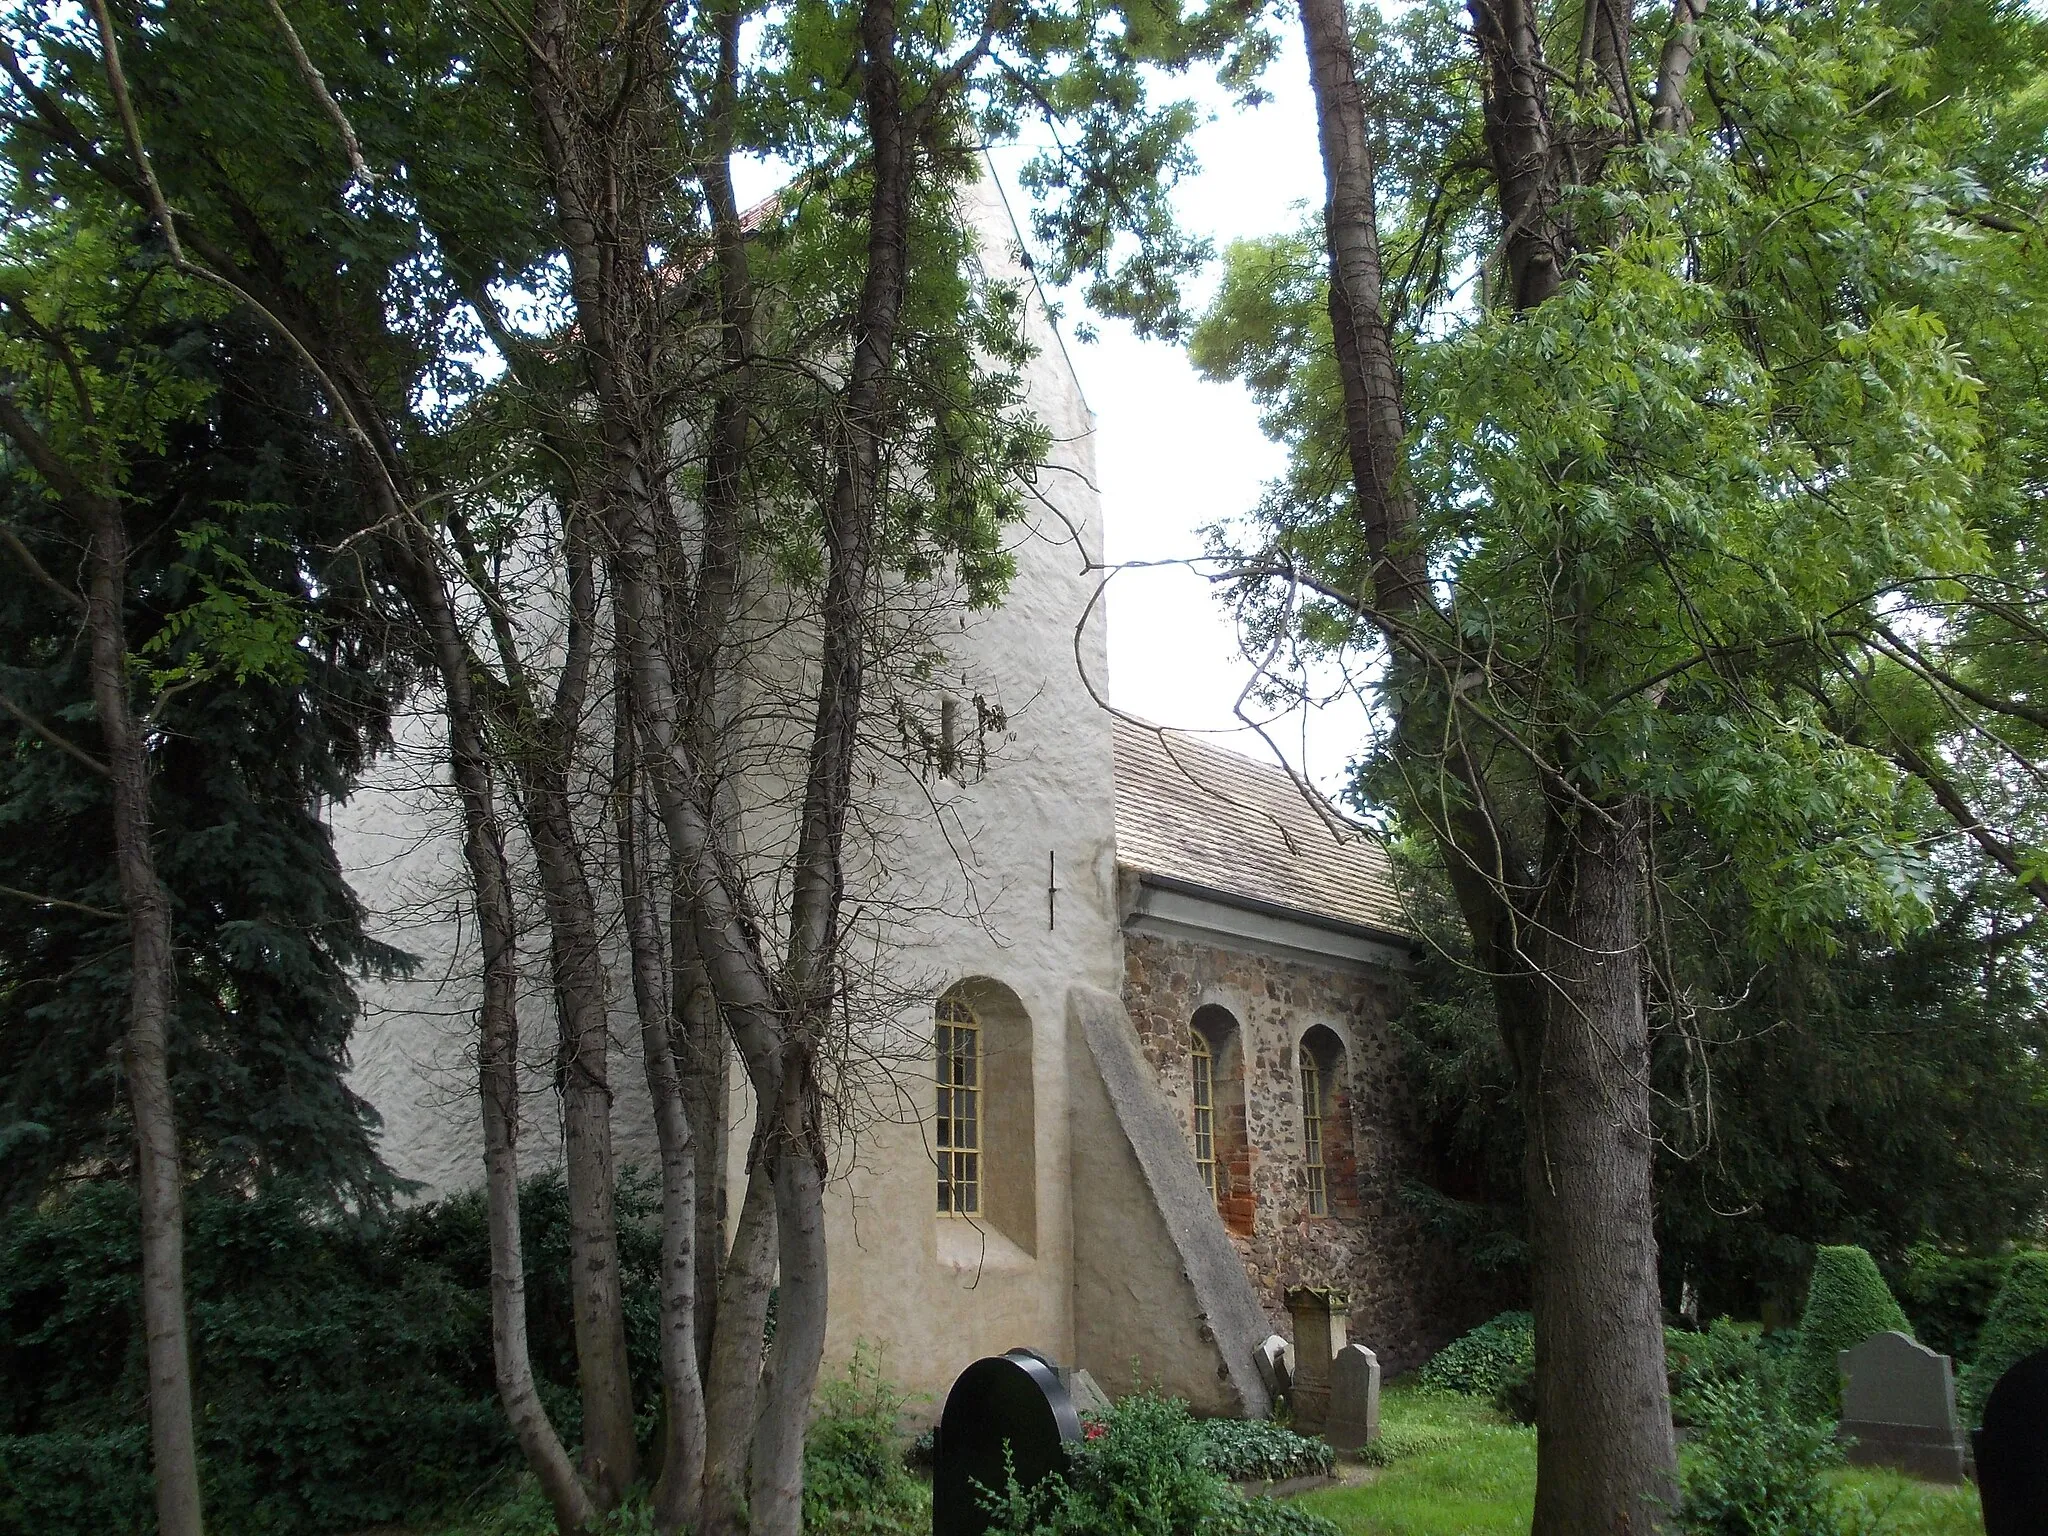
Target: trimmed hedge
[2017, 1326]
[1846, 1302]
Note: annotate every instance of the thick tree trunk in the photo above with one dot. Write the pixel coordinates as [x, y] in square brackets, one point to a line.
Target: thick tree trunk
[1570, 1003]
[1605, 1457]
[160, 1163]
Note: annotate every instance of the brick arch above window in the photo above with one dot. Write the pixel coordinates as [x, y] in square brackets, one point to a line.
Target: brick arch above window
[1218, 1128]
[1329, 1169]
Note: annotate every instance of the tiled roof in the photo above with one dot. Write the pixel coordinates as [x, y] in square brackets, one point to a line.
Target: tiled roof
[1192, 811]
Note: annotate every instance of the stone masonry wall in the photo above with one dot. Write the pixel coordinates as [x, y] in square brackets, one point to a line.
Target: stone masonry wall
[1409, 1295]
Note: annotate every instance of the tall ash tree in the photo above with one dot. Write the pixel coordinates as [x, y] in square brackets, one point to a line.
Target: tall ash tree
[822, 399]
[1623, 407]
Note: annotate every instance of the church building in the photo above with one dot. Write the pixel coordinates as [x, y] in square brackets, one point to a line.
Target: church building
[1153, 1086]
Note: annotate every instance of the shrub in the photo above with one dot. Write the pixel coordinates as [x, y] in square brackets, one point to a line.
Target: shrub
[1846, 1302]
[343, 1362]
[1146, 1472]
[1948, 1298]
[855, 1480]
[1755, 1470]
[1279, 1517]
[1242, 1449]
[1515, 1397]
[2017, 1326]
[1725, 1353]
[1482, 1361]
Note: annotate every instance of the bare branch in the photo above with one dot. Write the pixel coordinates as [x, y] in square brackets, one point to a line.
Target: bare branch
[317, 84]
[55, 738]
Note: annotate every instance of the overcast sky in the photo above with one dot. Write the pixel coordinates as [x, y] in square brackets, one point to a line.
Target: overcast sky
[1177, 452]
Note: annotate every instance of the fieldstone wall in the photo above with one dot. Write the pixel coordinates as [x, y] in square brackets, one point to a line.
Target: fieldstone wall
[1409, 1295]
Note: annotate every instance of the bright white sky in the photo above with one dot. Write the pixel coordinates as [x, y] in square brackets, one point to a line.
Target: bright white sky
[1177, 452]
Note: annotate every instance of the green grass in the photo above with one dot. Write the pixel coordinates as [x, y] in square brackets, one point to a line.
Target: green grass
[1893, 1504]
[1456, 1468]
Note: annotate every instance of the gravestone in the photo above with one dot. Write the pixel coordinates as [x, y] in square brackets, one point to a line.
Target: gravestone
[1354, 1419]
[1275, 1361]
[1088, 1396]
[1320, 1317]
[1899, 1408]
[1012, 1401]
[2012, 1451]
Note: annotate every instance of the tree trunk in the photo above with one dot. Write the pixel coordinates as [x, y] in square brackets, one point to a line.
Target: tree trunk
[1605, 1459]
[1572, 1012]
[775, 1498]
[160, 1163]
[683, 1431]
[582, 1077]
[483, 848]
[734, 1369]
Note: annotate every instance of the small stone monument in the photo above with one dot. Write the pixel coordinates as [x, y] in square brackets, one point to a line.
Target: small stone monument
[1275, 1362]
[1012, 1401]
[1320, 1317]
[2012, 1451]
[1899, 1408]
[1354, 1419]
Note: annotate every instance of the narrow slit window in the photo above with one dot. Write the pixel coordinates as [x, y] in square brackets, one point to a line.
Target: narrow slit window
[1312, 1135]
[959, 1129]
[1204, 1066]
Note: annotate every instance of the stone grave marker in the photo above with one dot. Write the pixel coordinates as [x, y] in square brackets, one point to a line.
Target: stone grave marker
[1354, 1419]
[2012, 1451]
[1320, 1319]
[1899, 1408]
[1275, 1362]
[1012, 1400]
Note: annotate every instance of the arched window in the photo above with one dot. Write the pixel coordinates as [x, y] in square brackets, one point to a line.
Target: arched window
[1328, 1176]
[985, 1142]
[959, 1128]
[1222, 1150]
[1312, 1136]
[1202, 1064]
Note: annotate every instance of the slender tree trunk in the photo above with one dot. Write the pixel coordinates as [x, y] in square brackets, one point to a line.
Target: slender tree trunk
[582, 1077]
[160, 1163]
[683, 1421]
[483, 847]
[1605, 1457]
[734, 1369]
[775, 1497]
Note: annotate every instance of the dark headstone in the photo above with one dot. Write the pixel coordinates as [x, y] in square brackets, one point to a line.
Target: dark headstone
[2012, 1451]
[1013, 1401]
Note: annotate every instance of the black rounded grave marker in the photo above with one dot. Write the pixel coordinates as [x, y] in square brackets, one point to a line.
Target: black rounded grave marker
[2012, 1451]
[1015, 1400]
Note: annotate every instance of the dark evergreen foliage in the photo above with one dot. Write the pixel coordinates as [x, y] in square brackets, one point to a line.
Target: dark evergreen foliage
[1884, 1095]
[268, 933]
[2017, 1326]
[344, 1362]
